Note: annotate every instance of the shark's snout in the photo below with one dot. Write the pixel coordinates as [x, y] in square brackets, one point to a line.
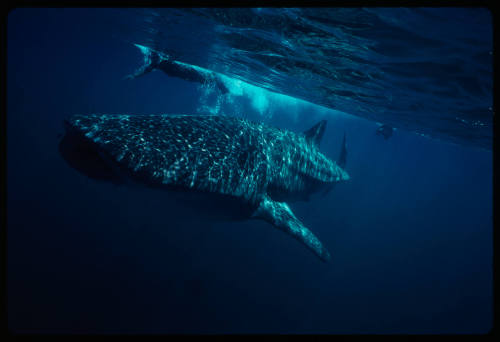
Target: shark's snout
[84, 156]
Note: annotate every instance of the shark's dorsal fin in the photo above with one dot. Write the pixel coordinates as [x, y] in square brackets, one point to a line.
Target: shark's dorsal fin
[280, 216]
[315, 133]
[343, 154]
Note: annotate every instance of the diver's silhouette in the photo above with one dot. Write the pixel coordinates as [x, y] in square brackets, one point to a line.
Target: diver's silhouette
[154, 60]
[385, 131]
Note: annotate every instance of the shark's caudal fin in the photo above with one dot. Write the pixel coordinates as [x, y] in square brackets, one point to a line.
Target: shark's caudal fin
[315, 133]
[343, 154]
[328, 189]
[151, 61]
[280, 215]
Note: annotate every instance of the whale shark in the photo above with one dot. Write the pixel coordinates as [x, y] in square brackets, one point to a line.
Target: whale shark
[260, 167]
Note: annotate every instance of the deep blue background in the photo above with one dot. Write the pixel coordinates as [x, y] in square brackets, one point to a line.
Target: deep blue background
[410, 233]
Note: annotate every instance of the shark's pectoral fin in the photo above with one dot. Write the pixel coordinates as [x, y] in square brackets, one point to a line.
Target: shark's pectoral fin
[280, 215]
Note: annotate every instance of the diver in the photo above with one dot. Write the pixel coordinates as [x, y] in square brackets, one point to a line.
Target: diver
[385, 131]
[156, 60]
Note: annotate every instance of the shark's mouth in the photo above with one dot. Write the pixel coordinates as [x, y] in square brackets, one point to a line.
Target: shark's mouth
[84, 156]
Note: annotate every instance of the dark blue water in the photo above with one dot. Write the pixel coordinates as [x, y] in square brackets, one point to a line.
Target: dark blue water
[410, 233]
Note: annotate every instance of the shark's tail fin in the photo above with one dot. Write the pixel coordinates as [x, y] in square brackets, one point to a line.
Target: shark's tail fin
[343, 154]
[151, 61]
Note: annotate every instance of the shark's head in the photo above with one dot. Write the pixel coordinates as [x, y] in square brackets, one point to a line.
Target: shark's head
[83, 155]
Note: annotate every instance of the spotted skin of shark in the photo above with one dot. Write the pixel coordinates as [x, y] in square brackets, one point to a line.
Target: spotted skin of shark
[260, 165]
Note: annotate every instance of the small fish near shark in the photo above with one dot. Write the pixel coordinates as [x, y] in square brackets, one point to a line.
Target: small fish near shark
[258, 166]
